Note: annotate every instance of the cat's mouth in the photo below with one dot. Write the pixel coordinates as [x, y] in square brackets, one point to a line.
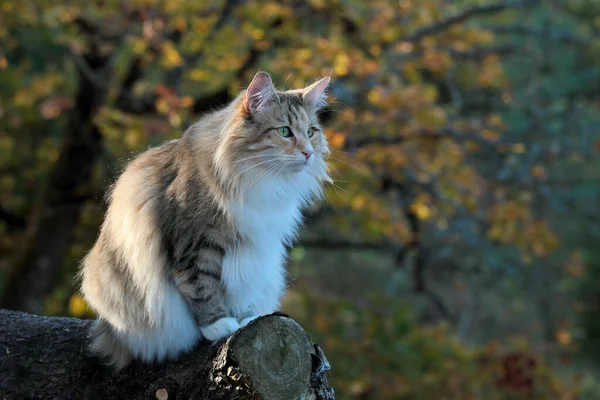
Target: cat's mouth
[300, 165]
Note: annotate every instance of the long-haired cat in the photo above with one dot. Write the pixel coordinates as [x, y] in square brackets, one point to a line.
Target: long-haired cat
[193, 242]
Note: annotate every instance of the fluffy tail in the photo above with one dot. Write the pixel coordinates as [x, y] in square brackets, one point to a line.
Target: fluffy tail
[106, 344]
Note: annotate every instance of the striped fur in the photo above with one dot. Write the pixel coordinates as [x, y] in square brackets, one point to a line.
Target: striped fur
[193, 243]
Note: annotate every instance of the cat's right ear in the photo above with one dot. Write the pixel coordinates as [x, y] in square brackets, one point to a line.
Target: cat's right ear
[259, 93]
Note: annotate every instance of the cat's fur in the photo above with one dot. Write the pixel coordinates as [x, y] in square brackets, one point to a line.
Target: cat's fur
[193, 243]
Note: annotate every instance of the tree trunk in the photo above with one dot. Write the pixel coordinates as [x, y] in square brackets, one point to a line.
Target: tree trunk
[270, 358]
[51, 227]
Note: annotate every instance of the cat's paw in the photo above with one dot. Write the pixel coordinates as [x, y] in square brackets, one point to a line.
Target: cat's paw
[220, 329]
[247, 320]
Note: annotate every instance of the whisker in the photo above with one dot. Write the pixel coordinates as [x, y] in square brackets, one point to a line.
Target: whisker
[248, 169]
[339, 187]
[333, 181]
[258, 178]
[347, 163]
[345, 153]
[262, 155]
[251, 157]
[249, 185]
[341, 112]
[288, 77]
[334, 187]
[340, 175]
[336, 101]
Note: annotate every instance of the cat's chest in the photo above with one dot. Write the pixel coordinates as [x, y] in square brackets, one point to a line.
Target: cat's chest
[253, 271]
[262, 224]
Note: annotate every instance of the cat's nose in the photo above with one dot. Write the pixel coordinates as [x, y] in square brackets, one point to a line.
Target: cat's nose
[307, 153]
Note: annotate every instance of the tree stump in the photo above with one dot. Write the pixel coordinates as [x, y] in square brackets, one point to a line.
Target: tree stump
[270, 358]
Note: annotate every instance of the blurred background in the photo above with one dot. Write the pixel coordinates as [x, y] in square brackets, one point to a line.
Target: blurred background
[456, 255]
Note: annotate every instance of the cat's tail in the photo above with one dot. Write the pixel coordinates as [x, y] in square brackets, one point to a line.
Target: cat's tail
[106, 344]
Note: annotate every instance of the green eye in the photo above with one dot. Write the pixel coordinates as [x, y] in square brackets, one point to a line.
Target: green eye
[311, 132]
[284, 131]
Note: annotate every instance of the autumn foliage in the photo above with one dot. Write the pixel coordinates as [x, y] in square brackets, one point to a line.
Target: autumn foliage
[465, 143]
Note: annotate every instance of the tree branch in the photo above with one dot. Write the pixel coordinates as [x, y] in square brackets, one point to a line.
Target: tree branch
[533, 31]
[448, 22]
[406, 193]
[127, 102]
[443, 133]
[478, 53]
[270, 358]
[342, 244]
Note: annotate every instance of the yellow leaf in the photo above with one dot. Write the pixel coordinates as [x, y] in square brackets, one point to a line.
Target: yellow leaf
[495, 232]
[139, 46]
[563, 337]
[171, 57]
[495, 120]
[519, 148]
[341, 63]
[198, 74]
[421, 210]
[162, 106]
[180, 24]
[132, 138]
[485, 37]
[337, 140]
[257, 33]
[412, 74]
[175, 120]
[374, 96]
[538, 171]
[430, 93]
[186, 101]
[77, 306]
[389, 33]
[304, 54]
[358, 203]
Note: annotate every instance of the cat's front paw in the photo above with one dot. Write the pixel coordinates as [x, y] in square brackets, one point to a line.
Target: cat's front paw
[247, 320]
[220, 329]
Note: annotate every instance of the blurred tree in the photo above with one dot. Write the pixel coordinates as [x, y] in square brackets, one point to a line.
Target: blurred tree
[53, 221]
[386, 355]
[464, 138]
[421, 138]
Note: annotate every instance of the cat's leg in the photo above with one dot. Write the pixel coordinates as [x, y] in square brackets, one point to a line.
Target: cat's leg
[260, 294]
[263, 310]
[247, 320]
[199, 281]
[265, 305]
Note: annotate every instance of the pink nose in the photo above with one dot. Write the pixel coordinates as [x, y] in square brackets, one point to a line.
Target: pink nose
[307, 153]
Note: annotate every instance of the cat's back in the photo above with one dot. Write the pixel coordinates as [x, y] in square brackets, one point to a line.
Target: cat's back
[145, 175]
[152, 161]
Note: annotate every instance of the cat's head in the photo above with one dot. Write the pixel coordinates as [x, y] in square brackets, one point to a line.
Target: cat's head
[277, 134]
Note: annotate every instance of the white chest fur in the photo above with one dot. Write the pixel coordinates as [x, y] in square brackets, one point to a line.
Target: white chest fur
[253, 273]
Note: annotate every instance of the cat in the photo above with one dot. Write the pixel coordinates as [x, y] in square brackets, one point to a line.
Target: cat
[194, 240]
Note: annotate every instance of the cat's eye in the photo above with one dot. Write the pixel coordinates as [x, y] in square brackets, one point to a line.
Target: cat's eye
[311, 132]
[284, 131]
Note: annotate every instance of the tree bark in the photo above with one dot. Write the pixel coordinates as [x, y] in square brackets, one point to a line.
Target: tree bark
[50, 228]
[270, 358]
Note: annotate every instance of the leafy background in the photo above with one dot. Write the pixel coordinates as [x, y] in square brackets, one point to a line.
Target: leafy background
[454, 258]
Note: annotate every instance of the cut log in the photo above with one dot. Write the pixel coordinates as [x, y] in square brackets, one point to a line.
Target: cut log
[270, 358]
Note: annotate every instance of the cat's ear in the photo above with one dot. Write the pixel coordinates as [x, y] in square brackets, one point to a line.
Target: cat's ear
[259, 93]
[315, 93]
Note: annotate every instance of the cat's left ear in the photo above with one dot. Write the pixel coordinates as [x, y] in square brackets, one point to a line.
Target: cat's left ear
[259, 93]
[315, 93]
